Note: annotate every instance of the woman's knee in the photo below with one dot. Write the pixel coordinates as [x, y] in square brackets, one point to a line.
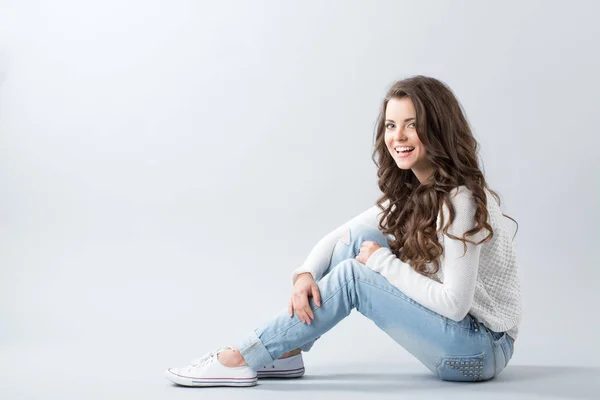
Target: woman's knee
[363, 232]
[351, 269]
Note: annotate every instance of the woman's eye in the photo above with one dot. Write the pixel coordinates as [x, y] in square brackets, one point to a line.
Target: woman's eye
[412, 123]
[388, 126]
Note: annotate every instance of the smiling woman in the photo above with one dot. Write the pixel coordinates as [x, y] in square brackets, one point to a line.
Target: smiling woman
[423, 113]
[432, 263]
[402, 139]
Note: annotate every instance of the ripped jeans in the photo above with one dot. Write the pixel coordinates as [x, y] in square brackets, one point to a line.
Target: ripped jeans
[463, 350]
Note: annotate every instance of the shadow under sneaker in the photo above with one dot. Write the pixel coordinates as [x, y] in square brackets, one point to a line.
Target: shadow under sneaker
[208, 371]
[291, 367]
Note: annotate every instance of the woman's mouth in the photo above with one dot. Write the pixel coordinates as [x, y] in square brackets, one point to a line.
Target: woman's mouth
[404, 152]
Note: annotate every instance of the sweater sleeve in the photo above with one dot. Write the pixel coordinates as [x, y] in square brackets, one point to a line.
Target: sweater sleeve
[452, 298]
[318, 258]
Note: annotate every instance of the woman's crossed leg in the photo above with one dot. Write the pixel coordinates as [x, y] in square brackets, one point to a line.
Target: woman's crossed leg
[453, 350]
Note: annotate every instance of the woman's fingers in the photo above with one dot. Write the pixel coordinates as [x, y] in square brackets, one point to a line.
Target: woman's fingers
[304, 312]
[316, 294]
[304, 318]
[309, 312]
[301, 314]
[299, 311]
[300, 301]
[300, 306]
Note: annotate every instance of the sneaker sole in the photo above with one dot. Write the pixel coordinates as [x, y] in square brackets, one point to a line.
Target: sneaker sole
[208, 382]
[283, 373]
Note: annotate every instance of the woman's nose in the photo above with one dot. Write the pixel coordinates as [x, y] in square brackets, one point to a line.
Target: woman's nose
[400, 135]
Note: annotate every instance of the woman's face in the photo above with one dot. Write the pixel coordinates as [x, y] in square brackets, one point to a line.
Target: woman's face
[400, 133]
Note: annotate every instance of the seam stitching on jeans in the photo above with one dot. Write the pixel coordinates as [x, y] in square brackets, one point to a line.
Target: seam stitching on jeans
[433, 313]
[357, 279]
[316, 309]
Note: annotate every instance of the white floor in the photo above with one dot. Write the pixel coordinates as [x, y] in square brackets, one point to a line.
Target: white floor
[39, 380]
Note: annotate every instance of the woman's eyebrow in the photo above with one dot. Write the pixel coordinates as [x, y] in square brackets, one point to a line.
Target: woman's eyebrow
[406, 120]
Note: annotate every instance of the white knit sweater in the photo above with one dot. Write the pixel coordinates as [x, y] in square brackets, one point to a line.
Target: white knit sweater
[484, 282]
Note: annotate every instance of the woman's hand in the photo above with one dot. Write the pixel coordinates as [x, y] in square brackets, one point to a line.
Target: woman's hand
[304, 287]
[366, 249]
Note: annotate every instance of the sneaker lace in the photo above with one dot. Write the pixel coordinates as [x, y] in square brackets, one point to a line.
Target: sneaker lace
[206, 359]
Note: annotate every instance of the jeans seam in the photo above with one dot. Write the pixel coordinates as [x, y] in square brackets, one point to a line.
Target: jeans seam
[325, 301]
[431, 312]
[357, 279]
[315, 310]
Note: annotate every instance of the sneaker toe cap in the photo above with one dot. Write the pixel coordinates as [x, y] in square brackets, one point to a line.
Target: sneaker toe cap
[173, 371]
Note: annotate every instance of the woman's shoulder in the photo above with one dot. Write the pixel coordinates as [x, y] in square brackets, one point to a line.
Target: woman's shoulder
[461, 196]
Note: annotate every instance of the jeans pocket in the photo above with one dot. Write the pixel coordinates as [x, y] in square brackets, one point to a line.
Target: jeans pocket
[463, 368]
[501, 349]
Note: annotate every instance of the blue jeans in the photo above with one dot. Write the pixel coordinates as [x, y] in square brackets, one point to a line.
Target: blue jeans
[463, 350]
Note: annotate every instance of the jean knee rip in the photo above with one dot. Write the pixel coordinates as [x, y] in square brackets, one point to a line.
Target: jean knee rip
[462, 368]
[346, 237]
[368, 232]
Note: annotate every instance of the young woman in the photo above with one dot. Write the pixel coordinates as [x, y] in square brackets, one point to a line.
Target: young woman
[432, 263]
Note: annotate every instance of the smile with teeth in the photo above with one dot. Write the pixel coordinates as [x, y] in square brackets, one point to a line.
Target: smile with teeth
[404, 150]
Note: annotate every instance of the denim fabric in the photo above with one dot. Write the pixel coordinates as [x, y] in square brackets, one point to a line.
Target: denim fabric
[463, 350]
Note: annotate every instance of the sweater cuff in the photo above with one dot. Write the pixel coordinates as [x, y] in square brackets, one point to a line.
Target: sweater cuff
[375, 261]
[301, 270]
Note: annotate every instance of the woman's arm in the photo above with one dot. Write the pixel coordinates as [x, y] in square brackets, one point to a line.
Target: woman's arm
[454, 297]
[319, 257]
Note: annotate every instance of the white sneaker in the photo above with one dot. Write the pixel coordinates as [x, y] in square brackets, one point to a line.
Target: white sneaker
[291, 367]
[208, 371]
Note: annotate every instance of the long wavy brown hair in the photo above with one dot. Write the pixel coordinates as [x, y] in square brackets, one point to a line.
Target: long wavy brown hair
[412, 211]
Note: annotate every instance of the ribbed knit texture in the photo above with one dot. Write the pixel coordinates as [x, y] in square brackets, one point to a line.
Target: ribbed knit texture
[483, 282]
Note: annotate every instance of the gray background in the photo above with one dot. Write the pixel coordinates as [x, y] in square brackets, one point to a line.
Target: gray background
[165, 165]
